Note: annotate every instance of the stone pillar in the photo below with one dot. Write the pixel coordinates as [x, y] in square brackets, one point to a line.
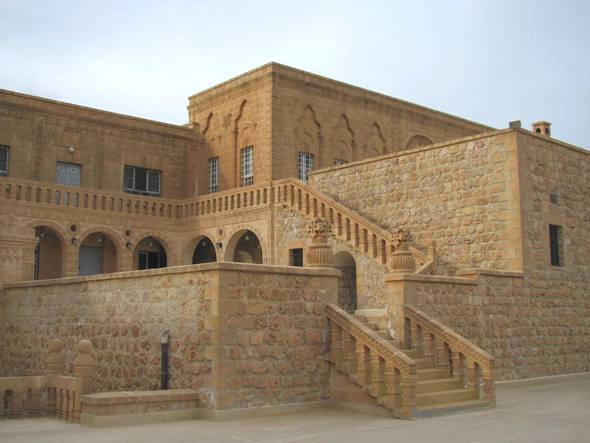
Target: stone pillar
[401, 262]
[84, 367]
[56, 365]
[17, 258]
[319, 253]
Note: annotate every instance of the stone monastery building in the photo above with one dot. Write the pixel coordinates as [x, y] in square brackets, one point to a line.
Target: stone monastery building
[303, 242]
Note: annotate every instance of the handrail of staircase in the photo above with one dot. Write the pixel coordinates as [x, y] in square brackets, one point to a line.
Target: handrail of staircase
[362, 233]
[382, 369]
[438, 341]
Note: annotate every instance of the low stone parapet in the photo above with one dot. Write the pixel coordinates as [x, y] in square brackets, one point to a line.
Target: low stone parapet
[138, 407]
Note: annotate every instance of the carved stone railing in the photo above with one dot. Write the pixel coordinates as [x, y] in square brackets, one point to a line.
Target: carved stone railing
[250, 197]
[361, 234]
[371, 362]
[56, 196]
[52, 394]
[450, 350]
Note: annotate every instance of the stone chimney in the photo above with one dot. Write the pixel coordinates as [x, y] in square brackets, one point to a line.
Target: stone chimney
[542, 128]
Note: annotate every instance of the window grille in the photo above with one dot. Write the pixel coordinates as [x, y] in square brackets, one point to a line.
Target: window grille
[68, 174]
[556, 245]
[305, 165]
[246, 163]
[214, 174]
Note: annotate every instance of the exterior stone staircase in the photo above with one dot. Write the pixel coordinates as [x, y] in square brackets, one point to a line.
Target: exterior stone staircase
[411, 381]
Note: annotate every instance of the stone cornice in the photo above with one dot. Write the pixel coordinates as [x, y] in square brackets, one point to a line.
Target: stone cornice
[93, 116]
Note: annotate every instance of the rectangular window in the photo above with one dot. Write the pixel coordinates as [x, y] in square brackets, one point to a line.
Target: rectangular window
[339, 162]
[246, 166]
[214, 174]
[305, 165]
[556, 244]
[4, 154]
[296, 257]
[137, 180]
[68, 174]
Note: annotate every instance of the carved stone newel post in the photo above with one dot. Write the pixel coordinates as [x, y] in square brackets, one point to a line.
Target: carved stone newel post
[84, 367]
[401, 262]
[319, 252]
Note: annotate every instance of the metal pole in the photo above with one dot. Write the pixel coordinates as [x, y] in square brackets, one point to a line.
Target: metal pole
[164, 346]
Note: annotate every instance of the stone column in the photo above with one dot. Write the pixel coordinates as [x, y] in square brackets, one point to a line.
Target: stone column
[401, 262]
[319, 252]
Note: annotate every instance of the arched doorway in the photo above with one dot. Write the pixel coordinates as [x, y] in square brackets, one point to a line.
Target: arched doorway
[97, 255]
[244, 247]
[49, 254]
[149, 254]
[204, 252]
[347, 299]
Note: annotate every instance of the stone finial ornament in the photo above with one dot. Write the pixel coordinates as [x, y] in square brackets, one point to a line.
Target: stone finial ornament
[402, 260]
[319, 253]
[56, 359]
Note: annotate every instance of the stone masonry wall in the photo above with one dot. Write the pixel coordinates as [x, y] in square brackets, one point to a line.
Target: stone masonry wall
[241, 335]
[529, 335]
[463, 196]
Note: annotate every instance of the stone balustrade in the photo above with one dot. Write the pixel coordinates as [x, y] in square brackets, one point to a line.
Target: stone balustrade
[450, 350]
[64, 197]
[385, 372]
[52, 394]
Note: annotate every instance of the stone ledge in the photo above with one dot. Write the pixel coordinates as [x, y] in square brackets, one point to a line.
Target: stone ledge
[98, 421]
[476, 272]
[419, 278]
[185, 269]
[262, 411]
[130, 397]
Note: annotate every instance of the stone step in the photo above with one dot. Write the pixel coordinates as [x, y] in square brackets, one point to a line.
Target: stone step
[414, 353]
[441, 397]
[451, 408]
[424, 363]
[371, 313]
[432, 374]
[360, 318]
[441, 384]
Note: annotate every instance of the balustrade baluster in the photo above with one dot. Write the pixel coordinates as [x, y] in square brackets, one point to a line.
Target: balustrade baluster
[383, 252]
[393, 389]
[307, 207]
[428, 345]
[471, 381]
[408, 395]
[336, 345]
[357, 238]
[487, 374]
[377, 369]
[442, 353]
[348, 353]
[457, 363]
[17, 403]
[415, 335]
[363, 370]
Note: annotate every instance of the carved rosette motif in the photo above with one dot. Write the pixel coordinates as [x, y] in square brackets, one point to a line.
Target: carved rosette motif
[319, 253]
[402, 260]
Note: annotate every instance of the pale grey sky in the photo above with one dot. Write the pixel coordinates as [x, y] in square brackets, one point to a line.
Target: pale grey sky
[488, 61]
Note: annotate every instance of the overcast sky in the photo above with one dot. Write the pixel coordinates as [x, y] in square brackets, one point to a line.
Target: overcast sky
[488, 61]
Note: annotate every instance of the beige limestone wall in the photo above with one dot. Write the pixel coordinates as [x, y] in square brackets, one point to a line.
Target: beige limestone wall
[241, 335]
[529, 335]
[463, 196]
[39, 133]
[334, 120]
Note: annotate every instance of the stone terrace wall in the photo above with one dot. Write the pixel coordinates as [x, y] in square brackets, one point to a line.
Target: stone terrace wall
[124, 315]
[241, 335]
[529, 335]
[464, 196]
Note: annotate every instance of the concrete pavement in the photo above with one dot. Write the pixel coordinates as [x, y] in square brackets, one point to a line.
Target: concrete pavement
[553, 412]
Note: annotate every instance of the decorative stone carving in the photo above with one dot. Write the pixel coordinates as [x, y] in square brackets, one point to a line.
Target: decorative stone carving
[56, 360]
[319, 252]
[402, 260]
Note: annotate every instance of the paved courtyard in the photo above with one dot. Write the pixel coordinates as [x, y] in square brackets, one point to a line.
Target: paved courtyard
[556, 412]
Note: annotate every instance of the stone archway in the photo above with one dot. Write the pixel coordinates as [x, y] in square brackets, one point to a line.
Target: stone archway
[98, 254]
[204, 251]
[49, 254]
[244, 247]
[347, 294]
[149, 254]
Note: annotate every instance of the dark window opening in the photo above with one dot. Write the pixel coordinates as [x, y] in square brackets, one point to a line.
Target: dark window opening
[151, 260]
[4, 151]
[556, 244]
[137, 180]
[296, 257]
